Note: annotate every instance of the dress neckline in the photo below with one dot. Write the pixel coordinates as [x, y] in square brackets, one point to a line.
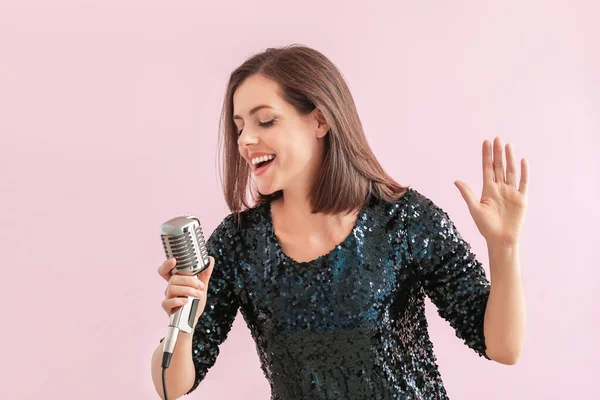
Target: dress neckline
[284, 257]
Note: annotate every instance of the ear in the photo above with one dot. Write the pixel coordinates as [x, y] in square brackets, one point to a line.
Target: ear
[323, 126]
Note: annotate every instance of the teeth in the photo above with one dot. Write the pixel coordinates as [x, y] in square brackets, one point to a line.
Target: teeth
[257, 160]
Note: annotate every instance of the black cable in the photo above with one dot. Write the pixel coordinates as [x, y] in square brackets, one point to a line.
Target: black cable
[164, 384]
[166, 361]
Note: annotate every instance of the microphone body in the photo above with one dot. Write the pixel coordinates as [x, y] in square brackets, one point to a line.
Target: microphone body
[183, 239]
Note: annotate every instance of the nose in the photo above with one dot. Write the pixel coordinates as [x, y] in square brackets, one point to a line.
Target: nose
[247, 138]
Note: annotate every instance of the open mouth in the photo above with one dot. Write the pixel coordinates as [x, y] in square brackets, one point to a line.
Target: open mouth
[263, 161]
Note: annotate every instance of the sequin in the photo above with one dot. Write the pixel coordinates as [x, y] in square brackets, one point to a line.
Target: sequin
[350, 324]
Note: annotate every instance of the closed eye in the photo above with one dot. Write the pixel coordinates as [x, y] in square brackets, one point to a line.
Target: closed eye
[267, 124]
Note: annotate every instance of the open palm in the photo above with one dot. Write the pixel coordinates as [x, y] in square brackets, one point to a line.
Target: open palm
[500, 213]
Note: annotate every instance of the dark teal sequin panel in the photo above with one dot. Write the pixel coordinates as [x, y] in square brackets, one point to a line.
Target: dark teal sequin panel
[350, 324]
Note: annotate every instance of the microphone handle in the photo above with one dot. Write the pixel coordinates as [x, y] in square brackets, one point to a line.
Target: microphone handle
[180, 321]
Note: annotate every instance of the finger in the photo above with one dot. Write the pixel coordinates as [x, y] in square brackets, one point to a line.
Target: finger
[166, 267]
[205, 275]
[498, 163]
[170, 305]
[511, 169]
[523, 185]
[186, 280]
[177, 291]
[486, 163]
[466, 193]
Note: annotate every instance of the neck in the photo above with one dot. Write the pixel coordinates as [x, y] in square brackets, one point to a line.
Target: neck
[294, 205]
[295, 214]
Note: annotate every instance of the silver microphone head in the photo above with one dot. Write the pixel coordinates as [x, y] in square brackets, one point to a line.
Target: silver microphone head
[183, 239]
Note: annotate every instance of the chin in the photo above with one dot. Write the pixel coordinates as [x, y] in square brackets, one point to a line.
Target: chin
[267, 190]
[268, 185]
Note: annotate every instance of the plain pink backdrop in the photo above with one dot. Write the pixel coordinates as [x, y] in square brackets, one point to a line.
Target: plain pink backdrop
[108, 127]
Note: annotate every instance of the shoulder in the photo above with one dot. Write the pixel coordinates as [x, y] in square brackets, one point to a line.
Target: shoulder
[235, 225]
[422, 206]
[396, 210]
[411, 210]
[417, 200]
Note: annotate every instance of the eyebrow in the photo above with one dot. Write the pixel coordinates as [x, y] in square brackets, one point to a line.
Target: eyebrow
[254, 110]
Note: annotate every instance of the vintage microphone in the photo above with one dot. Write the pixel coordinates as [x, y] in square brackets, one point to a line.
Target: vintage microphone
[182, 238]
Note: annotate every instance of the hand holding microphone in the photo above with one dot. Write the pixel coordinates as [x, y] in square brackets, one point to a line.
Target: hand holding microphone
[189, 264]
[181, 287]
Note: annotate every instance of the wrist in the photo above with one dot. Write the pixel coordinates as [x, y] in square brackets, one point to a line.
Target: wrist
[500, 245]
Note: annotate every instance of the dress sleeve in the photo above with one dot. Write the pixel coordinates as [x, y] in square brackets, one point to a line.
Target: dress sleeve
[222, 303]
[450, 273]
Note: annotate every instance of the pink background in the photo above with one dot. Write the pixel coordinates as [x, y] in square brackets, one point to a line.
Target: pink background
[108, 127]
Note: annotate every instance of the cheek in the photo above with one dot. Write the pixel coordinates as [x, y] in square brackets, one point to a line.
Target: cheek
[297, 151]
[294, 149]
[296, 158]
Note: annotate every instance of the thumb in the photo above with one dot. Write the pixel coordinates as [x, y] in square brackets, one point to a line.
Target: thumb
[205, 275]
[466, 193]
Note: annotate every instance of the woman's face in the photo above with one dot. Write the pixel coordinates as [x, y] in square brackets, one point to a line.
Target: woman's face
[284, 149]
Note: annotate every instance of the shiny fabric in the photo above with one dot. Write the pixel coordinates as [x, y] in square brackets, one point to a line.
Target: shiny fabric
[350, 324]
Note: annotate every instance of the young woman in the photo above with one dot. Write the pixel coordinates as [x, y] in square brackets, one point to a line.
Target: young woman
[329, 259]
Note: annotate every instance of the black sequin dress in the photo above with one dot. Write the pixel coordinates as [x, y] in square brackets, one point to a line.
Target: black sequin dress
[350, 324]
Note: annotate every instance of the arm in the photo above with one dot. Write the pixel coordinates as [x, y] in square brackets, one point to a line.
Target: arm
[450, 274]
[504, 325]
[490, 318]
[195, 353]
[181, 372]
[499, 215]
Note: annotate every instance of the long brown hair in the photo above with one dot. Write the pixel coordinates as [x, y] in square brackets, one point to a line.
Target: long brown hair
[351, 175]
